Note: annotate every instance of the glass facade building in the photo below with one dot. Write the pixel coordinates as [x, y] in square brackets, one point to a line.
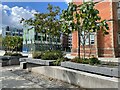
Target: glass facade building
[33, 41]
[11, 31]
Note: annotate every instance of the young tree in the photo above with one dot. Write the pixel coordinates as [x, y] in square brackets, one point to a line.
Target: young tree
[20, 43]
[46, 23]
[16, 42]
[6, 43]
[52, 22]
[12, 42]
[83, 18]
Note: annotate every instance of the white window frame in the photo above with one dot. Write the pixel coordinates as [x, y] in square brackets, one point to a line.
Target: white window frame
[92, 39]
[119, 38]
[118, 10]
[89, 40]
[119, 4]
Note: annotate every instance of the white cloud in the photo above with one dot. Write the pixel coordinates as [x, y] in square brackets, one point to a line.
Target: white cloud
[12, 16]
[0, 6]
[6, 7]
[68, 1]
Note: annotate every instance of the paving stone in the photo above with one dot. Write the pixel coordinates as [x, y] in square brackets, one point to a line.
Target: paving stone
[30, 80]
[42, 80]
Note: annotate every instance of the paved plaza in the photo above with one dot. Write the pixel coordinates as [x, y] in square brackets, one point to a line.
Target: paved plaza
[14, 77]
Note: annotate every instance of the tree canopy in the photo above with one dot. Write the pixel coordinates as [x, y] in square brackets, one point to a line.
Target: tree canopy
[83, 18]
[12, 42]
[46, 23]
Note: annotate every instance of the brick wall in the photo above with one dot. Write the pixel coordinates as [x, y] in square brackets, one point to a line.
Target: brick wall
[115, 30]
[105, 46]
[105, 43]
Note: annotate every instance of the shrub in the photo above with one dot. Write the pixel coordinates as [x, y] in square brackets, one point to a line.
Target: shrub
[59, 54]
[91, 61]
[8, 54]
[66, 59]
[37, 55]
[77, 60]
[85, 61]
[16, 54]
[49, 56]
[12, 54]
[59, 60]
[94, 61]
[52, 55]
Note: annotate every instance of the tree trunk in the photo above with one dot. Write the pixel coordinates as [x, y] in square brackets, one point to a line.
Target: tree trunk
[84, 45]
[79, 31]
[16, 49]
[56, 43]
[51, 47]
[84, 50]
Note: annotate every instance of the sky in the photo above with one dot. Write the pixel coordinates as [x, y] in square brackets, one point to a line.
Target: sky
[12, 12]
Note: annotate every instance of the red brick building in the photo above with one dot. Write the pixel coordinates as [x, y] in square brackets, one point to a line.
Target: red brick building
[102, 46]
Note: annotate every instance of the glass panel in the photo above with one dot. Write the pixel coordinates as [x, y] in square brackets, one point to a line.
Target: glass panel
[92, 39]
[58, 40]
[39, 38]
[7, 33]
[118, 13]
[44, 38]
[87, 41]
[118, 38]
[119, 10]
[48, 39]
[119, 4]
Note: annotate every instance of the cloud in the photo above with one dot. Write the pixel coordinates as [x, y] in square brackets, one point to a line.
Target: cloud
[6, 7]
[68, 1]
[12, 16]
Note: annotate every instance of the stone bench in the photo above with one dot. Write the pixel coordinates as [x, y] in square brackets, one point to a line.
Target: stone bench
[35, 62]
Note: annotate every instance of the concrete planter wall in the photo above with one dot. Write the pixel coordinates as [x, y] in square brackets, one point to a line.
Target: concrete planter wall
[9, 60]
[4, 60]
[30, 63]
[110, 59]
[83, 79]
[40, 61]
[23, 59]
[113, 72]
[14, 60]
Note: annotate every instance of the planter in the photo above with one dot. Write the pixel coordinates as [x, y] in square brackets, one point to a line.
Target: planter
[9, 60]
[23, 59]
[4, 60]
[113, 72]
[40, 62]
[86, 80]
[35, 62]
[14, 60]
